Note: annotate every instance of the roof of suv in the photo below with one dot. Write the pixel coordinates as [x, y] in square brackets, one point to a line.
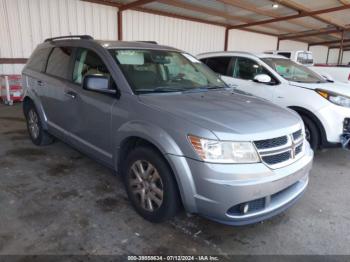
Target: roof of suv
[239, 53]
[134, 45]
[109, 44]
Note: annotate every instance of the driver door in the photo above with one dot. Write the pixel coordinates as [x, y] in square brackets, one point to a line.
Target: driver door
[244, 70]
[90, 129]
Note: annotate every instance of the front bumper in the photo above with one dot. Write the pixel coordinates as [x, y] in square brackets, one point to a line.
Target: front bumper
[219, 188]
[333, 119]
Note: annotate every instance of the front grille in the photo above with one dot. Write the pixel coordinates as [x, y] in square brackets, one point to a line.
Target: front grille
[282, 192]
[298, 149]
[297, 135]
[269, 143]
[278, 158]
[280, 151]
[346, 128]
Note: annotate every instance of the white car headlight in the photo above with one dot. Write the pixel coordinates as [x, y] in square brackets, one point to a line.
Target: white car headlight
[224, 151]
[335, 98]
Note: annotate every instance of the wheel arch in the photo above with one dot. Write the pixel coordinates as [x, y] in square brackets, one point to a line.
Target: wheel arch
[38, 106]
[302, 111]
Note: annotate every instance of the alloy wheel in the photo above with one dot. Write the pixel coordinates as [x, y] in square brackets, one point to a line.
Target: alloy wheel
[33, 124]
[146, 185]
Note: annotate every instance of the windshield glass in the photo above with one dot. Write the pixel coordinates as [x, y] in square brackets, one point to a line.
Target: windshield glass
[292, 71]
[149, 71]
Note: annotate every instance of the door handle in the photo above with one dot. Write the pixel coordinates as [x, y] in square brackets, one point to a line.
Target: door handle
[71, 94]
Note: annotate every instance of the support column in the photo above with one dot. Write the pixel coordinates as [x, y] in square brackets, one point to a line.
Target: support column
[227, 31]
[327, 55]
[120, 25]
[341, 47]
[278, 44]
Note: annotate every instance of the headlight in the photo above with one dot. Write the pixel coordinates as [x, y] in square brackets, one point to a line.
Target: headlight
[335, 98]
[224, 151]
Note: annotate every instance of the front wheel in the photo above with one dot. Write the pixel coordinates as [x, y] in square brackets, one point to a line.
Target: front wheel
[150, 185]
[311, 133]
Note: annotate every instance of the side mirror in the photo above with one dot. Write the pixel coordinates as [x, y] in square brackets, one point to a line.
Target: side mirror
[262, 78]
[98, 83]
[328, 78]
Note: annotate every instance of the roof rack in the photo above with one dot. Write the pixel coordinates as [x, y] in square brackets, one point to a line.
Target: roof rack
[86, 37]
[149, 42]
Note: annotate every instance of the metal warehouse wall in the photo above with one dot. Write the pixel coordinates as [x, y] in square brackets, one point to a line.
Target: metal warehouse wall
[250, 42]
[25, 23]
[192, 37]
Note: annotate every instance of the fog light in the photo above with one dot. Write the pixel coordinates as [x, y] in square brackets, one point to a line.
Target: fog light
[245, 208]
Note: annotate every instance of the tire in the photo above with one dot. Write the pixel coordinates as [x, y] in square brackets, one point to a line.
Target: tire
[37, 134]
[312, 133]
[150, 185]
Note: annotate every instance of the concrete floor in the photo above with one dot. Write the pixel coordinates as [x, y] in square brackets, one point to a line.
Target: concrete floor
[54, 200]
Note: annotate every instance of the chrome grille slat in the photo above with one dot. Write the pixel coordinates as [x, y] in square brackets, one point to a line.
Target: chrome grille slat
[281, 151]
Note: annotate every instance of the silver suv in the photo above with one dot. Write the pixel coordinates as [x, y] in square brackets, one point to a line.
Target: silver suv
[169, 126]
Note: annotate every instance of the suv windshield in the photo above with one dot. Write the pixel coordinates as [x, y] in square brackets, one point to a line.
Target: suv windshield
[292, 71]
[149, 71]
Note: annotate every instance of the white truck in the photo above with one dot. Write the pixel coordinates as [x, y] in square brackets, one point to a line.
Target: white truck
[339, 73]
[324, 106]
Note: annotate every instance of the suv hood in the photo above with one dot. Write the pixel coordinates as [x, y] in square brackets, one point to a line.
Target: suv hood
[230, 116]
[340, 88]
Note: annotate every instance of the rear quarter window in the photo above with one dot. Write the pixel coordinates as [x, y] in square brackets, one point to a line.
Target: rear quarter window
[219, 64]
[38, 59]
[58, 63]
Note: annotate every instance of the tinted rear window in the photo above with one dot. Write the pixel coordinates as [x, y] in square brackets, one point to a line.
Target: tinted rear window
[219, 64]
[37, 61]
[58, 62]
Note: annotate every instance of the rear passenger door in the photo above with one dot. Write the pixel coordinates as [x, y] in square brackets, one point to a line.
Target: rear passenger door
[56, 99]
[222, 65]
[90, 128]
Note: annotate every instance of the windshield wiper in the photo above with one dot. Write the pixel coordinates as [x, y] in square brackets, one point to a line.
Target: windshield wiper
[162, 89]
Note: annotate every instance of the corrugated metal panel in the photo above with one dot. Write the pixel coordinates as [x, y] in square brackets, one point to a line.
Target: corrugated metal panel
[26, 23]
[250, 42]
[190, 36]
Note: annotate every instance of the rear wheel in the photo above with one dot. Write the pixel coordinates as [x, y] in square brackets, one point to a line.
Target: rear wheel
[311, 133]
[150, 185]
[37, 134]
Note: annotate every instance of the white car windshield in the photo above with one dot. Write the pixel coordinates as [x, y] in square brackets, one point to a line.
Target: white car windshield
[292, 71]
[155, 71]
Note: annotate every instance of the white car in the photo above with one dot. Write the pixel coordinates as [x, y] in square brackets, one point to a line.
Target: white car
[324, 106]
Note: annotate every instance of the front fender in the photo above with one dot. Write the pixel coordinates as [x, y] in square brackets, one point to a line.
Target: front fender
[171, 151]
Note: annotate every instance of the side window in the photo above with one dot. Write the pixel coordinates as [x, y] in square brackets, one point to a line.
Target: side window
[58, 62]
[285, 54]
[219, 64]
[38, 59]
[88, 63]
[247, 69]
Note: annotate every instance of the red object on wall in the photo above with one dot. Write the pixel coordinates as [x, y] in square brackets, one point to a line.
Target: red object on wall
[16, 90]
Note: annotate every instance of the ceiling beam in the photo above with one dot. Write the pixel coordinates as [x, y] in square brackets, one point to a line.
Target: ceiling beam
[240, 4]
[103, 2]
[135, 4]
[338, 47]
[308, 34]
[329, 42]
[13, 60]
[302, 14]
[218, 13]
[301, 8]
